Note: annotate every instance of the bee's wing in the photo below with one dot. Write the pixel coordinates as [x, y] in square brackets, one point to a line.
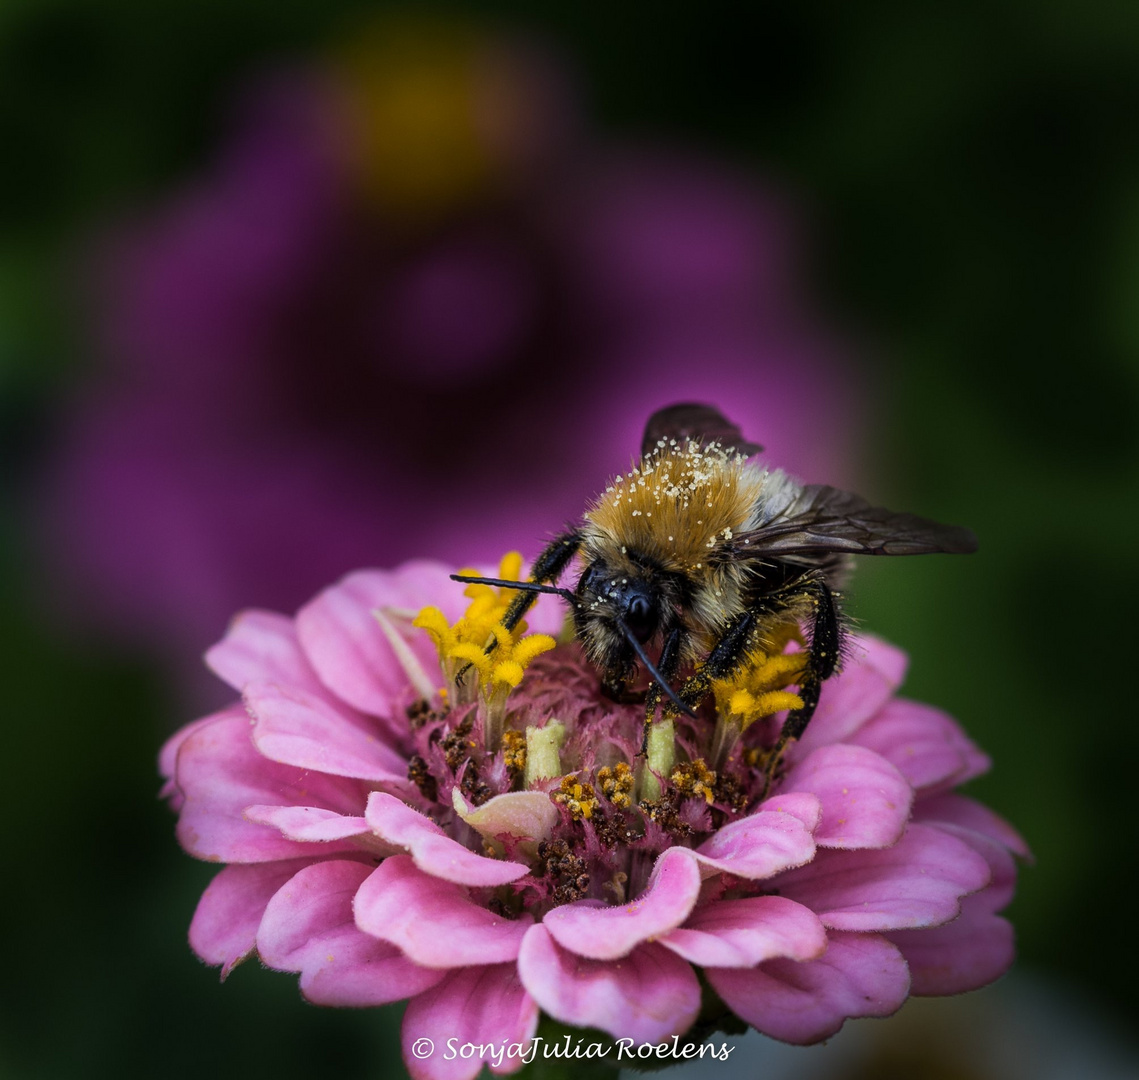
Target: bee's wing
[824, 519]
[702, 423]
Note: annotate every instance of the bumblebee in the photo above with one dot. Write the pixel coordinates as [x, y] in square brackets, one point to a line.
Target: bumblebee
[700, 556]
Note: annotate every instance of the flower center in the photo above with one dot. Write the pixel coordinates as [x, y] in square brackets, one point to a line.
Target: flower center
[521, 722]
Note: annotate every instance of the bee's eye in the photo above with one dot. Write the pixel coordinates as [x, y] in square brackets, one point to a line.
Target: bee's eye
[641, 617]
[589, 579]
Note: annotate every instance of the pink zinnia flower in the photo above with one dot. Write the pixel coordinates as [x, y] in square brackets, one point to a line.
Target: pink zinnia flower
[498, 849]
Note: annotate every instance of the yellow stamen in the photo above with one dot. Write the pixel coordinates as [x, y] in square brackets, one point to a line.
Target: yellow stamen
[617, 784]
[514, 752]
[577, 797]
[435, 623]
[464, 645]
[510, 567]
[508, 672]
[532, 646]
[695, 779]
[758, 689]
[776, 701]
[472, 654]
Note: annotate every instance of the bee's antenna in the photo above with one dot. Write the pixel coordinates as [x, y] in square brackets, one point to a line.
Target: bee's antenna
[658, 678]
[524, 586]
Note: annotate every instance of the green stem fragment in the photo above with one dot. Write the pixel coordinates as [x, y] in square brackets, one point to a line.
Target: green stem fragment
[660, 759]
[543, 760]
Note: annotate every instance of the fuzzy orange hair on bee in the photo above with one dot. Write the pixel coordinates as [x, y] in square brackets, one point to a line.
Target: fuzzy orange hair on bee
[699, 555]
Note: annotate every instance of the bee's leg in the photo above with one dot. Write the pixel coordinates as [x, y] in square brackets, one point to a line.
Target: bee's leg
[731, 651]
[547, 567]
[669, 668]
[825, 650]
[725, 658]
[617, 689]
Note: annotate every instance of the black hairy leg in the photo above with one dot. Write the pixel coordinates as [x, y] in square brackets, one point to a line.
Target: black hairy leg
[730, 653]
[825, 648]
[725, 659]
[548, 567]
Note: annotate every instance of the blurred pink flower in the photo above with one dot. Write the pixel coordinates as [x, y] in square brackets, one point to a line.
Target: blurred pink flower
[304, 346]
[379, 847]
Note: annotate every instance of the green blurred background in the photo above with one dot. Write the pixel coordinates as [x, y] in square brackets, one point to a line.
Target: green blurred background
[971, 179]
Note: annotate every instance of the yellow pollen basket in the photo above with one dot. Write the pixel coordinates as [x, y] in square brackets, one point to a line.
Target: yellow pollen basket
[759, 689]
[466, 641]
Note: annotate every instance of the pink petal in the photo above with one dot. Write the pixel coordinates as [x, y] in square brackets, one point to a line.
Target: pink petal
[262, 646]
[314, 901]
[350, 652]
[609, 932]
[918, 882]
[296, 728]
[358, 971]
[224, 928]
[434, 922]
[746, 932]
[432, 849]
[971, 951]
[483, 1007]
[954, 809]
[873, 672]
[646, 996]
[311, 824]
[1002, 867]
[308, 927]
[866, 801]
[881, 655]
[168, 755]
[922, 743]
[220, 773]
[800, 804]
[858, 975]
[762, 844]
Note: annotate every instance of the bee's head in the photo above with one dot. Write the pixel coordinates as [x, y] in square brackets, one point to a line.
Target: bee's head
[617, 610]
[616, 596]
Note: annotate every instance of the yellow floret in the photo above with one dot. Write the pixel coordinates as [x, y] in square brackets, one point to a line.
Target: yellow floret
[469, 653]
[510, 568]
[435, 623]
[759, 689]
[508, 672]
[467, 640]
